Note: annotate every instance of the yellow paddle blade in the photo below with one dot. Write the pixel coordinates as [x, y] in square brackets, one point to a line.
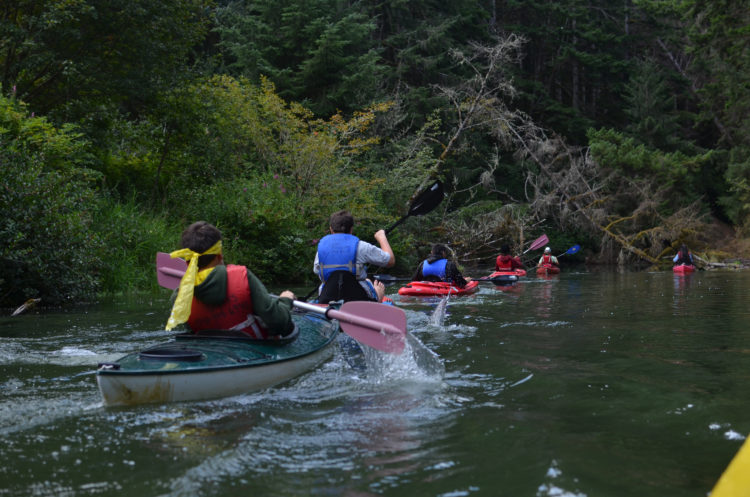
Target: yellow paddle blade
[735, 482]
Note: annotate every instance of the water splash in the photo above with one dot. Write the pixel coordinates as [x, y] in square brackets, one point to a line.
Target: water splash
[417, 362]
[438, 315]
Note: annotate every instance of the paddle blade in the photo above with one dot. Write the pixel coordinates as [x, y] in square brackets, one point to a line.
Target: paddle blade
[538, 243]
[169, 271]
[572, 250]
[379, 326]
[427, 200]
[424, 203]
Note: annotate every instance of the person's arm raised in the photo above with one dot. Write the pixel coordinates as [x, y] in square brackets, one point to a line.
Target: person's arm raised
[382, 239]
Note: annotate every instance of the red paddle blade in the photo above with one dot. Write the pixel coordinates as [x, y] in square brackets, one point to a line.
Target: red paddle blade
[169, 271]
[379, 326]
[538, 243]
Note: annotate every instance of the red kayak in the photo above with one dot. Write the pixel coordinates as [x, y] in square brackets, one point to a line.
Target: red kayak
[545, 269]
[683, 268]
[508, 272]
[436, 288]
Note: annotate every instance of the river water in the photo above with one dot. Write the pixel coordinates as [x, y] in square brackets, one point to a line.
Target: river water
[584, 384]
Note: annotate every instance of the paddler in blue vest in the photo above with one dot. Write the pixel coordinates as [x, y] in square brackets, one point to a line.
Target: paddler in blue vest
[214, 296]
[437, 267]
[341, 262]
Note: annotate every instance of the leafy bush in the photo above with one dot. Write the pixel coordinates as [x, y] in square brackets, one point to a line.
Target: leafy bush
[130, 238]
[48, 249]
[260, 223]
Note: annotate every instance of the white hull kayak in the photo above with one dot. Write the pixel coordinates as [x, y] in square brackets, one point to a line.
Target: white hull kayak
[200, 368]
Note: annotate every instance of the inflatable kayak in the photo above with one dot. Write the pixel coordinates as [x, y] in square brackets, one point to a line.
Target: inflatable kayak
[545, 269]
[683, 268]
[509, 272]
[433, 288]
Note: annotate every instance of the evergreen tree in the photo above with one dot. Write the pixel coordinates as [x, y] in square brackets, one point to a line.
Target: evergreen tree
[67, 58]
[576, 61]
[650, 107]
[319, 53]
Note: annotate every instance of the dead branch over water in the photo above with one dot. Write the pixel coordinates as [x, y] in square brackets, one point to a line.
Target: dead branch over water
[565, 186]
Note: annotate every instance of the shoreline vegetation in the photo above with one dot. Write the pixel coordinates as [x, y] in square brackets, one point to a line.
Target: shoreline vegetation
[619, 128]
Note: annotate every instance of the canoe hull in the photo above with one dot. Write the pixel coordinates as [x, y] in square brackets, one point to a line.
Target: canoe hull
[683, 268]
[223, 368]
[436, 288]
[547, 269]
[516, 272]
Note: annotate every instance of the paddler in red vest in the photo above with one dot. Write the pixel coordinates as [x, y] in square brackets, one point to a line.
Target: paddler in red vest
[548, 258]
[505, 261]
[437, 267]
[683, 256]
[214, 296]
[341, 262]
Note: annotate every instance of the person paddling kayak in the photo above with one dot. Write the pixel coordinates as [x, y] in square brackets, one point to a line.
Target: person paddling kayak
[683, 256]
[437, 267]
[214, 296]
[547, 258]
[341, 262]
[506, 262]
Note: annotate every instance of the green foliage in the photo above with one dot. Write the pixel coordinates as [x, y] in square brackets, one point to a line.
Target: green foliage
[614, 149]
[130, 237]
[48, 249]
[61, 148]
[260, 224]
[320, 53]
[187, 123]
[650, 107]
[46, 203]
[737, 201]
[68, 57]
[718, 33]
[576, 56]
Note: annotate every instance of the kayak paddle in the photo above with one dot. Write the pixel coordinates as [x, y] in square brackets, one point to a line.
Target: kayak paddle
[537, 244]
[572, 250]
[356, 320]
[359, 319]
[424, 203]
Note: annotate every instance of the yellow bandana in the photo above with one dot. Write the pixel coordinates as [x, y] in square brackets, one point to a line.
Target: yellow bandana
[184, 300]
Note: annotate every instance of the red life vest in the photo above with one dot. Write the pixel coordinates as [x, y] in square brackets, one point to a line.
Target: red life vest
[504, 262]
[546, 259]
[235, 313]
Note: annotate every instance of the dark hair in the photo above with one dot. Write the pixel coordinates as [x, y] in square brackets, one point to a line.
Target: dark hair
[342, 222]
[684, 251]
[439, 249]
[504, 249]
[199, 237]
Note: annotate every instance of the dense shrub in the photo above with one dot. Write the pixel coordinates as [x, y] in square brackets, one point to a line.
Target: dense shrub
[48, 249]
[131, 236]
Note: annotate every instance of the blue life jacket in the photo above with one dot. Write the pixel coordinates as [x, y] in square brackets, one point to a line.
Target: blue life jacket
[437, 268]
[337, 252]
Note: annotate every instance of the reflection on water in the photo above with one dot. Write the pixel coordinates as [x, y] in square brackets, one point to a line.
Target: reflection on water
[582, 384]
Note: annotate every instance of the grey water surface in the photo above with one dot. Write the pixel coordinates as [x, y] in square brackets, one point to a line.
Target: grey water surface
[583, 384]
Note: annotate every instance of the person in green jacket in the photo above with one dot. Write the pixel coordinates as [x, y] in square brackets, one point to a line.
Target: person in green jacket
[215, 296]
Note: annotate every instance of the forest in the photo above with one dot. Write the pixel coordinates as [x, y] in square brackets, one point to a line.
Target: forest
[622, 126]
